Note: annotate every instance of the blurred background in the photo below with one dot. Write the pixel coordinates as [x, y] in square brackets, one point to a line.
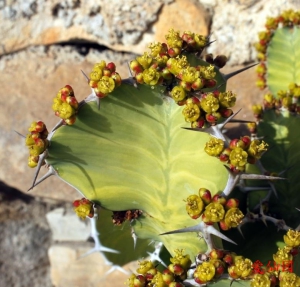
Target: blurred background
[44, 46]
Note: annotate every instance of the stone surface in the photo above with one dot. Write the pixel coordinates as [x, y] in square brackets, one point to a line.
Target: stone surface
[65, 225]
[69, 269]
[120, 25]
[235, 25]
[182, 15]
[24, 240]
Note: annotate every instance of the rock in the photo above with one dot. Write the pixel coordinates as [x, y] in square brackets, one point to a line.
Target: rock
[66, 225]
[29, 81]
[119, 25]
[24, 240]
[68, 269]
[181, 15]
[235, 26]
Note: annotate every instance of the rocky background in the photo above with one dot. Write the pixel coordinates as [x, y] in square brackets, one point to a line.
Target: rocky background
[44, 45]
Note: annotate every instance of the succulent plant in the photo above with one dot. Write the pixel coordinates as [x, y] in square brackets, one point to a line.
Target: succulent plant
[151, 149]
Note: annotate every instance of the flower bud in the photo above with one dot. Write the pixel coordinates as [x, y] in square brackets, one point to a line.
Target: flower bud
[220, 61]
[231, 203]
[205, 195]
[216, 254]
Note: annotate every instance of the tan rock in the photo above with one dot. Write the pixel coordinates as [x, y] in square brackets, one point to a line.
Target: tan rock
[120, 25]
[68, 269]
[235, 26]
[181, 15]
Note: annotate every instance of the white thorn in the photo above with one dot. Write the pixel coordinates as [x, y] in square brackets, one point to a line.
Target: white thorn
[50, 172]
[154, 256]
[210, 229]
[133, 235]
[98, 246]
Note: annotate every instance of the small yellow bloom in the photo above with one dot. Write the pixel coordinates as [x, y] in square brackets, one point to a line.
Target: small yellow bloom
[178, 93]
[238, 157]
[191, 112]
[65, 111]
[190, 74]
[227, 99]
[292, 238]
[243, 267]
[144, 266]
[209, 103]
[257, 148]
[205, 272]
[181, 259]
[214, 212]
[208, 72]
[194, 206]
[145, 60]
[287, 279]
[173, 39]
[283, 254]
[106, 85]
[214, 147]
[233, 217]
[260, 280]
[151, 76]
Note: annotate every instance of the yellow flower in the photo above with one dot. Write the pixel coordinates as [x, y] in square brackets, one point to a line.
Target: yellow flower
[145, 60]
[191, 112]
[292, 238]
[175, 65]
[287, 279]
[242, 267]
[156, 49]
[178, 93]
[205, 272]
[214, 147]
[65, 111]
[208, 72]
[200, 40]
[260, 280]
[190, 74]
[257, 148]
[283, 254]
[144, 266]
[233, 217]
[194, 206]
[214, 212]
[181, 259]
[238, 157]
[173, 39]
[106, 85]
[227, 99]
[96, 75]
[151, 76]
[209, 103]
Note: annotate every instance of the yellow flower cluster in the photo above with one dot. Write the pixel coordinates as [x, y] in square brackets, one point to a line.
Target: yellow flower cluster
[238, 154]
[83, 208]
[36, 141]
[167, 64]
[214, 209]
[65, 105]
[172, 276]
[104, 79]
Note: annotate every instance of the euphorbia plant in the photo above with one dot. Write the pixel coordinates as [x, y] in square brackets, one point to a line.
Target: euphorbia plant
[151, 150]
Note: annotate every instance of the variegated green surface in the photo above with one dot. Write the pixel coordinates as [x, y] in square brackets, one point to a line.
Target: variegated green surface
[133, 154]
[281, 131]
[283, 59]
